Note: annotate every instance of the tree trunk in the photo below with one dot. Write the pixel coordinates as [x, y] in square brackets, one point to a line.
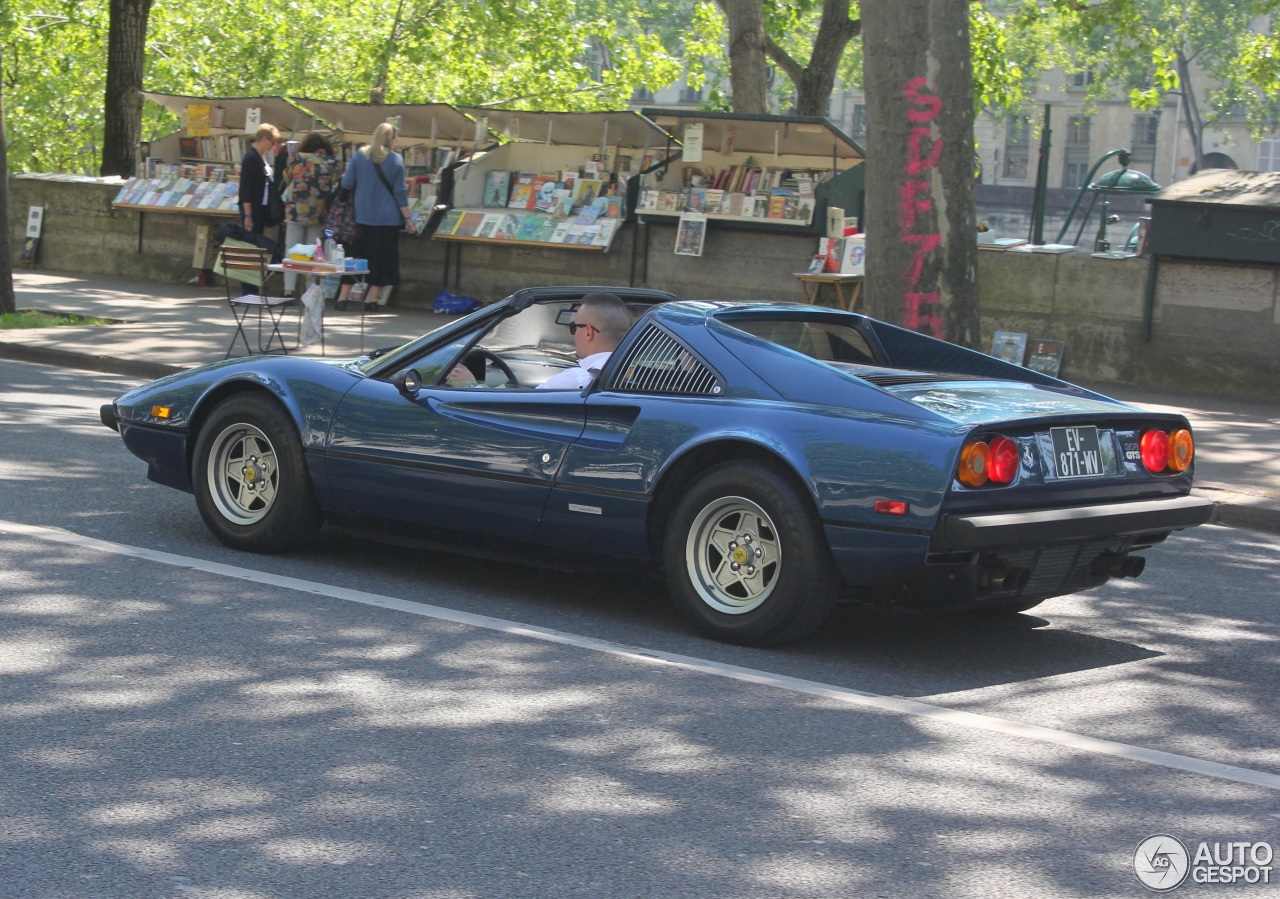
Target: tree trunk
[1191, 110]
[8, 302]
[747, 77]
[816, 81]
[921, 223]
[122, 109]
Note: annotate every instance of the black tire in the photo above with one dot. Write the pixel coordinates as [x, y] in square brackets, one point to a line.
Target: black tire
[251, 483]
[748, 515]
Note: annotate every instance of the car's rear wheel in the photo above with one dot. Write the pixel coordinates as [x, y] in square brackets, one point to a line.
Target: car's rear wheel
[746, 558]
[251, 482]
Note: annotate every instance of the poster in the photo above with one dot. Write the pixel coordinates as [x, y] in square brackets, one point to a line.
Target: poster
[1009, 346]
[1046, 356]
[691, 234]
[198, 115]
[692, 143]
[35, 220]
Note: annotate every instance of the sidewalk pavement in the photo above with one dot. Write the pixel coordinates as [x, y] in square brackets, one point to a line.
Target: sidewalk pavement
[165, 328]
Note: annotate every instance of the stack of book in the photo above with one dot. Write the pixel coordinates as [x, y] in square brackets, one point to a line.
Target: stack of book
[179, 193]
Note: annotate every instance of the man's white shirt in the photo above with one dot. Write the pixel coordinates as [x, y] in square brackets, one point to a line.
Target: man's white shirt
[577, 377]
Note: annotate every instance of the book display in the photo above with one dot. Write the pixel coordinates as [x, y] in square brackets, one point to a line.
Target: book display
[771, 172]
[558, 180]
[173, 193]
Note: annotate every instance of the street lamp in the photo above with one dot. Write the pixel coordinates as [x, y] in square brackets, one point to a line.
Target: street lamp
[1121, 181]
[1124, 156]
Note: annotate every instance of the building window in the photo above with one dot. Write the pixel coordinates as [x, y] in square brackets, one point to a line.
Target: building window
[1142, 141]
[1078, 81]
[1269, 155]
[1017, 147]
[691, 94]
[1076, 155]
[859, 120]
[596, 57]
[642, 94]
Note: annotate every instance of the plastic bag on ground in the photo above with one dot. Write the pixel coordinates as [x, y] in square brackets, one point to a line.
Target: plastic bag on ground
[312, 315]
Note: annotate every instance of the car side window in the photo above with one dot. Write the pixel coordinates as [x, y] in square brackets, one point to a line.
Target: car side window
[436, 366]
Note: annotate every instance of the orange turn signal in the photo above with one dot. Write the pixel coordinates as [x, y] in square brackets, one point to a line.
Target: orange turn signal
[975, 464]
[160, 411]
[1182, 449]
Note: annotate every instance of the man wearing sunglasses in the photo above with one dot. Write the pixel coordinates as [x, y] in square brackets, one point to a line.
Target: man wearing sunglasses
[598, 327]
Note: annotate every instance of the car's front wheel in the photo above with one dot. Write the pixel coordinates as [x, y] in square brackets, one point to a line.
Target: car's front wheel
[250, 479]
[746, 558]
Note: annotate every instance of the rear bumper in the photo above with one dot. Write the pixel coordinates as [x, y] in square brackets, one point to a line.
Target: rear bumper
[971, 532]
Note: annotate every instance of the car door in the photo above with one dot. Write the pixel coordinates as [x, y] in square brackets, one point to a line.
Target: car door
[471, 460]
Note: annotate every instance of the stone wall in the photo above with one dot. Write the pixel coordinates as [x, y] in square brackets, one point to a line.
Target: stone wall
[1215, 328]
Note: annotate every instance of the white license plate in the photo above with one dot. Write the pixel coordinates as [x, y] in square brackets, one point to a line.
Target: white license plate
[1076, 453]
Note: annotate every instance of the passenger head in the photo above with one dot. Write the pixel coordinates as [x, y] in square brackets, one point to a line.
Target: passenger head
[599, 324]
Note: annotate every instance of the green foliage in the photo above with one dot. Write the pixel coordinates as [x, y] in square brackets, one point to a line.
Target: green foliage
[574, 55]
[520, 54]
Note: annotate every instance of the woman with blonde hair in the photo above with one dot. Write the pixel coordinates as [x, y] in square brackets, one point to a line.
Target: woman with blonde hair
[376, 173]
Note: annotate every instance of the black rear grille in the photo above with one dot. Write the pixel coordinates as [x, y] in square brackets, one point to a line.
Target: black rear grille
[1059, 569]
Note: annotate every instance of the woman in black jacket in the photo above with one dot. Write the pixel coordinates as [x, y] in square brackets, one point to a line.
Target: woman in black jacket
[255, 180]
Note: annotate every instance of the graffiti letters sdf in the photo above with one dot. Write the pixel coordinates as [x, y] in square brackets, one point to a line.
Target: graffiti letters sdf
[920, 304]
[1162, 863]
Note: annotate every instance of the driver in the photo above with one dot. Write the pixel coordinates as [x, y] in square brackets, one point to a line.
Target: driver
[598, 327]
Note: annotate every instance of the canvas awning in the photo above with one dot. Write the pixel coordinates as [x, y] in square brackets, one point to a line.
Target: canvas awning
[571, 129]
[418, 121]
[278, 111]
[762, 135]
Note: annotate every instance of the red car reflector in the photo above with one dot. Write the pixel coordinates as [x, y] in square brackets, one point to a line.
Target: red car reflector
[890, 507]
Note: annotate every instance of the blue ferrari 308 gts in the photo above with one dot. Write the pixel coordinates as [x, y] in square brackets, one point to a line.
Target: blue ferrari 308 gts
[770, 459]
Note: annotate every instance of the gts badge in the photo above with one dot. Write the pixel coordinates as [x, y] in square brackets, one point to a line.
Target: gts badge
[1132, 452]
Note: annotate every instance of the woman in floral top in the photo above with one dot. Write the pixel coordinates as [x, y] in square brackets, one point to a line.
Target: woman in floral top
[313, 175]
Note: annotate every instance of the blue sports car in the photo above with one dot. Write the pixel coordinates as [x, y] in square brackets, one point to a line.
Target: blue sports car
[770, 459]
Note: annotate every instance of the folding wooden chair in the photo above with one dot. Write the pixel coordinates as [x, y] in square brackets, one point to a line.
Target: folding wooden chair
[248, 265]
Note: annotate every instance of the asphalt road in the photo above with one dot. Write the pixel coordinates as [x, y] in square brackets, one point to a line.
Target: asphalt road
[361, 720]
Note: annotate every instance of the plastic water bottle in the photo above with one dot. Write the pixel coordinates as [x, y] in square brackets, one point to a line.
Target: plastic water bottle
[318, 255]
[329, 252]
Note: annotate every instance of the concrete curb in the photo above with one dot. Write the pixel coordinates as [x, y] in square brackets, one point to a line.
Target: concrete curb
[43, 355]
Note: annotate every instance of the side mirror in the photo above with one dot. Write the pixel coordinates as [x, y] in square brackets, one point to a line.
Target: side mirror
[408, 382]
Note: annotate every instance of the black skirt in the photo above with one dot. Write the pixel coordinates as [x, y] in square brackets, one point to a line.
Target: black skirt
[380, 244]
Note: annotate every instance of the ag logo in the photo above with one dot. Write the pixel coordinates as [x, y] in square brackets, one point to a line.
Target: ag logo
[1161, 863]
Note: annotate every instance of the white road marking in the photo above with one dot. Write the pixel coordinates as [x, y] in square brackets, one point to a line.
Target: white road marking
[859, 698]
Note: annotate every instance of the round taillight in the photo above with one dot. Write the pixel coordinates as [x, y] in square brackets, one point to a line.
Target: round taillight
[1004, 460]
[1155, 450]
[975, 464]
[1182, 449]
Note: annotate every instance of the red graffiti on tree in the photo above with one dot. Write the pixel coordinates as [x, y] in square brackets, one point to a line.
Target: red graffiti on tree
[920, 307]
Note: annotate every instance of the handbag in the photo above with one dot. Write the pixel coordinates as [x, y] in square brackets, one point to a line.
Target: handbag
[275, 207]
[341, 218]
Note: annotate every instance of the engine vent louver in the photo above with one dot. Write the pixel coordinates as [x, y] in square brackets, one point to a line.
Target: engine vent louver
[658, 363]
